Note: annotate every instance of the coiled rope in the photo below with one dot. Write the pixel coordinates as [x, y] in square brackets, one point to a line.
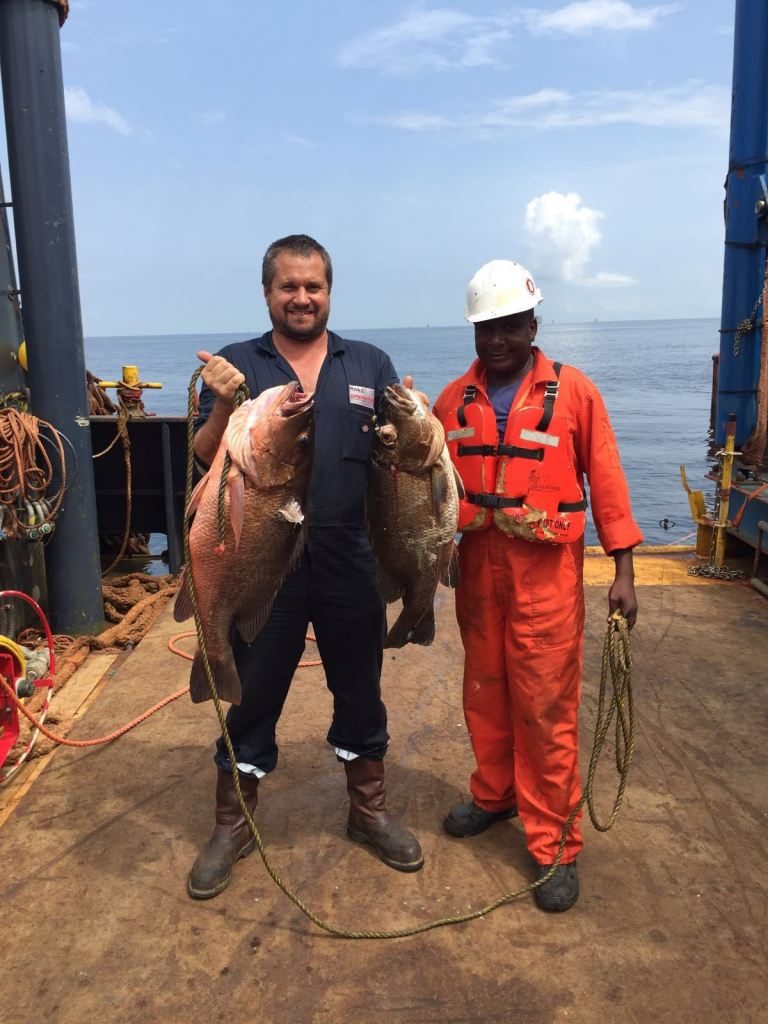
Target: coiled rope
[616, 663]
[26, 470]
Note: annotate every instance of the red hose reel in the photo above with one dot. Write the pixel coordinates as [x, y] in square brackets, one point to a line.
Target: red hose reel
[12, 668]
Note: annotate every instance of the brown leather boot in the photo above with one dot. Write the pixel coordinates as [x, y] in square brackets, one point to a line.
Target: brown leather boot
[368, 819]
[232, 838]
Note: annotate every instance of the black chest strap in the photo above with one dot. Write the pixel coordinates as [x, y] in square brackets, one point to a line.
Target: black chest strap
[470, 394]
[551, 389]
[510, 450]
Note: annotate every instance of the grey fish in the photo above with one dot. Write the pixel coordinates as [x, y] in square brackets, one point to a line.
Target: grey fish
[412, 511]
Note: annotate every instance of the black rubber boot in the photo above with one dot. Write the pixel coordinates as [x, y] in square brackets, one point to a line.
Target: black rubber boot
[368, 819]
[562, 889]
[232, 838]
[470, 820]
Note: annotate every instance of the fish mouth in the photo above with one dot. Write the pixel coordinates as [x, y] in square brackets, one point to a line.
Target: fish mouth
[400, 397]
[293, 400]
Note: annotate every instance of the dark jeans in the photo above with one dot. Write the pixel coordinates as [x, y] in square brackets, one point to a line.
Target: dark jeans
[334, 588]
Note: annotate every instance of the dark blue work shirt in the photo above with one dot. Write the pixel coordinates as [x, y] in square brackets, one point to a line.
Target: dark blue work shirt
[350, 381]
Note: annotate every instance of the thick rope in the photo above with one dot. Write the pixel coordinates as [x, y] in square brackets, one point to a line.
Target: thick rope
[98, 740]
[616, 662]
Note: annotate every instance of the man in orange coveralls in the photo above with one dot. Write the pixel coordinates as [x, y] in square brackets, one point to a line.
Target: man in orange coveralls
[523, 432]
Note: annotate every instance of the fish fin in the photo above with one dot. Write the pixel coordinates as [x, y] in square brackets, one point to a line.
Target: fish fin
[439, 486]
[404, 632]
[197, 494]
[236, 503]
[449, 576]
[389, 588]
[437, 444]
[298, 549]
[292, 513]
[237, 437]
[182, 607]
[424, 630]
[459, 482]
[225, 678]
[250, 625]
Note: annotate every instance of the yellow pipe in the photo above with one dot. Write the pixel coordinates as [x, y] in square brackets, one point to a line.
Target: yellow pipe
[130, 380]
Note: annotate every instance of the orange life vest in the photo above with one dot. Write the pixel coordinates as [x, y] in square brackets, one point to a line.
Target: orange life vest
[526, 486]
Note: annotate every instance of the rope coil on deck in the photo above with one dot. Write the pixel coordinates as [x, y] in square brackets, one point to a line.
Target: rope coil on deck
[616, 662]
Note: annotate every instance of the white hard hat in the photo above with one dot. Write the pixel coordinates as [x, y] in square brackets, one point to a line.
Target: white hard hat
[500, 288]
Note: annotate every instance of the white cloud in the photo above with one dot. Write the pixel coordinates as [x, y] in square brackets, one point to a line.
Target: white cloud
[211, 117]
[562, 233]
[412, 121]
[438, 39]
[80, 107]
[291, 139]
[692, 105]
[442, 38]
[604, 278]
[585, 16]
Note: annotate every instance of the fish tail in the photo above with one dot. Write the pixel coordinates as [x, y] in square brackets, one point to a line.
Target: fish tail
[405, 631]
[424, 630]
[225, 678]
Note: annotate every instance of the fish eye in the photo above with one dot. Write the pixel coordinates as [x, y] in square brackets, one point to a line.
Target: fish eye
[303, 440]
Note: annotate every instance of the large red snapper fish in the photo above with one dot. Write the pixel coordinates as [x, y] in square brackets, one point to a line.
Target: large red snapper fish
[269, 441]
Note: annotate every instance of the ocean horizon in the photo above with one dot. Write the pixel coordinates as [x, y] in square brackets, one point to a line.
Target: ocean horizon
[655, 377]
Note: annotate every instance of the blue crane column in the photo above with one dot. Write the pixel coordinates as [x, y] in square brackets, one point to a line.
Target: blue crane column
[746, 226]
[38, 155]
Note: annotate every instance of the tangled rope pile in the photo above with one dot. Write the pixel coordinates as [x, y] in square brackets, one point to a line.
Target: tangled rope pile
[27, 474]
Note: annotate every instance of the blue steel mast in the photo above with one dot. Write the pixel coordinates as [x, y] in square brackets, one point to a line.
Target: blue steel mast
[746, 224]
[38, 157]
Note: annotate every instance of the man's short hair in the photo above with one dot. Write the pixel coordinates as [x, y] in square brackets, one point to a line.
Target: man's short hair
[297, 245]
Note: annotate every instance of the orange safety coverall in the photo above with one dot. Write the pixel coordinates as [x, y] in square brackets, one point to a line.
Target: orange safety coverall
[520, 609]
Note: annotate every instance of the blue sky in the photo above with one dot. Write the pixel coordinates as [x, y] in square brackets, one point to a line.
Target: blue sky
[416, 141]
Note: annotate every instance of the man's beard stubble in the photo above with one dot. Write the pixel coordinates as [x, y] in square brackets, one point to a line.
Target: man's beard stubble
[308, 333]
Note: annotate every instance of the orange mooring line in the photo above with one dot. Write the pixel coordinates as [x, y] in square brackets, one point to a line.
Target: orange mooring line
[311, 663]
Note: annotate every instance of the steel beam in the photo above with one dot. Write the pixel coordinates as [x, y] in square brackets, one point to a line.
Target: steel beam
[746, 223]
[33, 97]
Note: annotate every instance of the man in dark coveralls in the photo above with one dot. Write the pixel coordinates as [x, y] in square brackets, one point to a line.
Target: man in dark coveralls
[334, 586]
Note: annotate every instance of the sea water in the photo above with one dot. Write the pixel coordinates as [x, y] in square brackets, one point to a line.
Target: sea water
[655, 377]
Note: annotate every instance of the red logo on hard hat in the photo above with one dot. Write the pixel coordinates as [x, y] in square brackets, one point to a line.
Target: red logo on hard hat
[530, 286]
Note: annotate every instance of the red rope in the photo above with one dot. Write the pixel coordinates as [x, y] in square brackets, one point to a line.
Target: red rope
[86, 743]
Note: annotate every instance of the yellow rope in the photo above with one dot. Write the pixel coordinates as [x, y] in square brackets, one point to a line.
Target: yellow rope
[616, 662]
